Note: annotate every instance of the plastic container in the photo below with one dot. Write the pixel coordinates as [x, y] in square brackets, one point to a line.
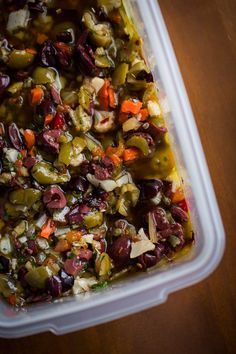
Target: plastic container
[144, 290]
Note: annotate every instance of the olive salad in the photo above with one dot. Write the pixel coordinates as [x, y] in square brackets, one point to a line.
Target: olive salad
[88, 184]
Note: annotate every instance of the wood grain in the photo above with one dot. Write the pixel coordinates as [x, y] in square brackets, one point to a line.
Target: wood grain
[202, 318]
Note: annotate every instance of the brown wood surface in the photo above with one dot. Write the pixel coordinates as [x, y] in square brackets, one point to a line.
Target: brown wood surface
[200, 319]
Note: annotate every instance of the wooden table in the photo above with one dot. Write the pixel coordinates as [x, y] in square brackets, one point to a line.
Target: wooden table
[200, 319]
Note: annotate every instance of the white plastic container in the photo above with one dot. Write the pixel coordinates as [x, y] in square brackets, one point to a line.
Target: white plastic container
[152, 288]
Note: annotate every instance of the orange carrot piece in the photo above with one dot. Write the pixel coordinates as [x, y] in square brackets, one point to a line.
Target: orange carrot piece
[119, 150]
[31, 51]
[48, 119]
[123, 117]
[128, 106]
[115, 159]
[62, 246]
[112, 97]
[144, 114]
[73, 236]
[103, 96]
[178, 195]
[23, 153]
[48, 229]
[36, 95]
[131, 154]
[29, 138]
[32, 152]
[19, 163]
[41, 38]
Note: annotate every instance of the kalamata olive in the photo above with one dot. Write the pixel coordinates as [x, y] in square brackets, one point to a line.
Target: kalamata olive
[54, 286]
[45, 107]
[15, 137]
[4, 264]
[49, 139]
[54, 198]
[29, 161]
[48, 54]
[152, 129]
[120, 250]
[21, 276]
[85, 254]
[74, 215]
[85, 63]
[179, 214]
[102, 169]
[32, 247]
[144, 75]
[174, 234]
[150, 188]
[67, 281]
[149, 259]
[65, 37]
[160, 219]
[79, 184]
[4, 82]
[73, 266]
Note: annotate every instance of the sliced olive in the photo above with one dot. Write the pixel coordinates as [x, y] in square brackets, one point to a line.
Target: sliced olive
[44, 76]
[119, 74]
[140, 143]
[93, 219]
[45, 173]
[129, 195]
[26, 197]
[162, 161]
[38, 276]
[20, 59]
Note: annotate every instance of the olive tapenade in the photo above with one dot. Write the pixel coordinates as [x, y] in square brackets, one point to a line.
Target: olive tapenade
[88, 184]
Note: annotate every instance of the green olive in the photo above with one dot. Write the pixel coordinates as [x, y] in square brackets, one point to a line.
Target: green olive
[69, 152]
[93, 219]
[6, 286]
[119, 74]
[150, 93]
[134, 83]
[38, 276]
[100, 33]
[15, 87]
[20, 59]
[26, 197]
[81, 119]
[85, 97]
[129, 195]
[45, 173]
[43, 76]
[140, 143]
[162, 161]
[103, 265]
